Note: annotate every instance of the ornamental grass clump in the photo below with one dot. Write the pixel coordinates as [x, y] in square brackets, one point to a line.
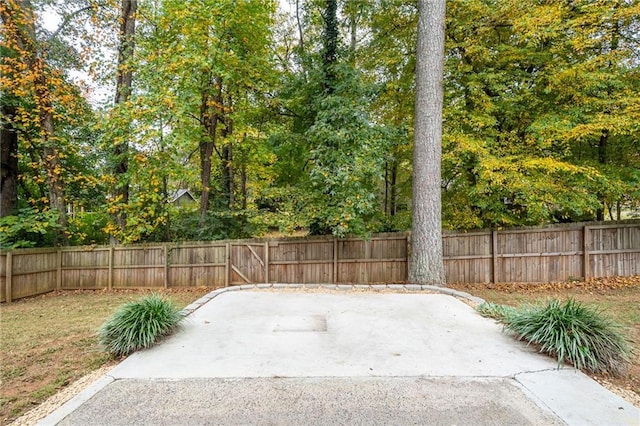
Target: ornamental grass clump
[139, 324]
[496, 311]
[573, 333]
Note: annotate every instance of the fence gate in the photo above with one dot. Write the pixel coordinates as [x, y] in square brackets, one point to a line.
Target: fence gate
[248, 263]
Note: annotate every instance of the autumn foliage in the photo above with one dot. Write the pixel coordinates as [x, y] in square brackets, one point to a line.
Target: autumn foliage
[281, 119]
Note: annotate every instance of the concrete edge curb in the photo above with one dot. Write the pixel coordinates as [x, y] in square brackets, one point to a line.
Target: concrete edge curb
[188, 310]
[76, 401]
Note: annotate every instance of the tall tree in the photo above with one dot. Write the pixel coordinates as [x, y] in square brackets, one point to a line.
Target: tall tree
[427, 265]
[203, 67]
[124, 75]
[330, 42]
[9, 164]
[19, 21]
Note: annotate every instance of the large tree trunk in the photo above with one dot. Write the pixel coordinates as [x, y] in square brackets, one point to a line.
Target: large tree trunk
[207, 145]
[243, 185]
[19, 20]
[426, 266]
[25, 31]
[393, 196]
[330, 41]
[602, 159]
[50, 154]
[210, 114]
[300, 31]
[9, 164]
[124, 73]
[206, 152]
[226, 166]
[124, 77]
[390, 188]
[228, 172]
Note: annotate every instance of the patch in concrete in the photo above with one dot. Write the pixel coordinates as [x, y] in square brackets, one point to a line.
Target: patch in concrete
[309, 323]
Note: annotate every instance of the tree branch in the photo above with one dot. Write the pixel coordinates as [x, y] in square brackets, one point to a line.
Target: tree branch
[66, 19]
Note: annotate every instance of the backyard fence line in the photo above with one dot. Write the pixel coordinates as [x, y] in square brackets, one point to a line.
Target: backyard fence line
[525, 255]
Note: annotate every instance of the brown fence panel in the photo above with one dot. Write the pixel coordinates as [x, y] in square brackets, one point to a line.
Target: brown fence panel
[351, 268]
[467, 257]
[85, 268]
[614, 250]
[389, 259]
[304, 261]
[33, 272]
[378, 260]
[135, 267]
[543, 255]
[553, 253]
[193, 266]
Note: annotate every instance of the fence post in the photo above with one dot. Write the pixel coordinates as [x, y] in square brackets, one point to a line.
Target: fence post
[585, 252]
[59, 270]
[494, 258]
[166, 265]
[335, 260]
[9, 277]
[367, 264]
[227, 264]
[408, 251]
[266, 262]
[110, 278]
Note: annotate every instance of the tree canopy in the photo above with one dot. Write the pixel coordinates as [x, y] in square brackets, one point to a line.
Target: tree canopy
[297, 116]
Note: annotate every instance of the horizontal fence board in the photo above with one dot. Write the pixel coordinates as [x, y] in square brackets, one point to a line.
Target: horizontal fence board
[530, 255]
[471, 256]
[541, 254]
[343, 261]
[597, 252]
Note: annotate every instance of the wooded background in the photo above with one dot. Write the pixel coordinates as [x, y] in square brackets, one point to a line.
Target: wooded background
[299, 115]
[546, 254]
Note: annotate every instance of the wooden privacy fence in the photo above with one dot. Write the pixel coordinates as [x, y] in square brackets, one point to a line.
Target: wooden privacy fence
[546, 254]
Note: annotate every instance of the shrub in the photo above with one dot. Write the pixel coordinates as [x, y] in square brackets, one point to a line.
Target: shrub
[575, 333]
[139, 324]
[495, 311]
[29, 228]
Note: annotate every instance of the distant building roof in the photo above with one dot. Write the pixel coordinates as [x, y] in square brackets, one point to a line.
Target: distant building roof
[179, 194]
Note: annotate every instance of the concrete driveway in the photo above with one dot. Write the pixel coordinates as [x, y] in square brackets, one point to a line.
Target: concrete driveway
[345, 357]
